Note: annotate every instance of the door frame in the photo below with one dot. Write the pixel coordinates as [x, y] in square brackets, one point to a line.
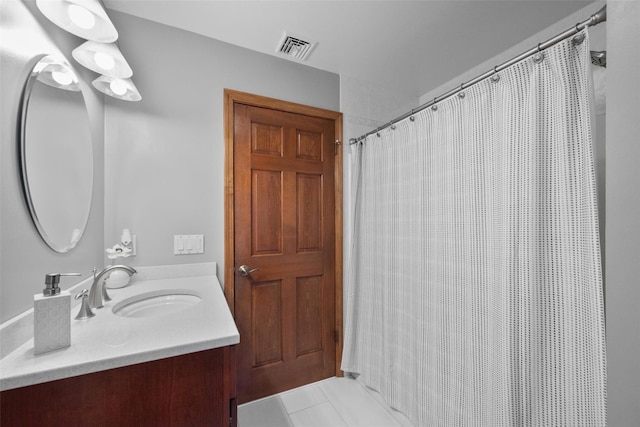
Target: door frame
[232, 97]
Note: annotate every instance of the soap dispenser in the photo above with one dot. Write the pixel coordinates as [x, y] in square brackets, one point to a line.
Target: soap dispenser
[52, 315]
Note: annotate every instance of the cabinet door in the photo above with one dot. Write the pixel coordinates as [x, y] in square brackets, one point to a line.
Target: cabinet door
[196, 389]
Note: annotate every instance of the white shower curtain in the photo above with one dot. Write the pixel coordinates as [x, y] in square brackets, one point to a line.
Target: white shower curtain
[474, 295]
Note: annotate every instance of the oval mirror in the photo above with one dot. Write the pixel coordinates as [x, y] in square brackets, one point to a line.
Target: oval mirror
[56, 153]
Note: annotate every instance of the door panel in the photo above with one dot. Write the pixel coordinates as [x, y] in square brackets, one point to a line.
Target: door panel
[266, 315]
[309, 146]
[309, 212]
[267, 140]
[266, 218]
[309, 312]
[284, 209]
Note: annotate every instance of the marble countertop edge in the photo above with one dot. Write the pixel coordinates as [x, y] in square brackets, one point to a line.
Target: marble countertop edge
[28, 379]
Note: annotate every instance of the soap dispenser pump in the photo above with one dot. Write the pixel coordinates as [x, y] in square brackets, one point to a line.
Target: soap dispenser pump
[52, 315]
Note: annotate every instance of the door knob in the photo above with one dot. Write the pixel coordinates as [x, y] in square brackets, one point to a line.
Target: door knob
[246, 271]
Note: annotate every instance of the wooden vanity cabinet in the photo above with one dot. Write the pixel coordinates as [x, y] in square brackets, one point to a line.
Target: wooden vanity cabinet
[195, 389]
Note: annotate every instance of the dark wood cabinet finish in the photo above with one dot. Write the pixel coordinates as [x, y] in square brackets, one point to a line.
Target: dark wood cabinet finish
[196, 389]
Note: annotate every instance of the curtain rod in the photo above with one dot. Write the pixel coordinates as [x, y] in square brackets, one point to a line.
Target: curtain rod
[595, 19]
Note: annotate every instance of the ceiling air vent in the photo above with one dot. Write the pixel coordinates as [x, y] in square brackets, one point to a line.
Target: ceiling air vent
[294, 46]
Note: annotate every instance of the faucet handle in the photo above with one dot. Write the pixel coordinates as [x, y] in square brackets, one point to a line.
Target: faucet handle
[105, 295]
[82, 294]
[85, 310]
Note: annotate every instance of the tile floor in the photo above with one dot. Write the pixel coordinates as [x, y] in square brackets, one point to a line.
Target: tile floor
[334, 402]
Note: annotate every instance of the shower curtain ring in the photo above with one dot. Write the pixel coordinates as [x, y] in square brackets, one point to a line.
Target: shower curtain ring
[579, 38]
[434, 107]
[539, 56]
[413, 119]
[461, 93]
[496, 77]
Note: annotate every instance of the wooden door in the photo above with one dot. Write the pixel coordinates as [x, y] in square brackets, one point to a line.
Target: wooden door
[285, 229]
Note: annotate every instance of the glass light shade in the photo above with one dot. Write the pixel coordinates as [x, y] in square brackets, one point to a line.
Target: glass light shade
[99, 56]
[118, 87]
[81, 17]
[123, 89]
[104, 61]
[84, 18]
[56, 72]
[62, 77]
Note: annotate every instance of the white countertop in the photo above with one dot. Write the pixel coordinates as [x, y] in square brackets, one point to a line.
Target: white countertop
[109, 341]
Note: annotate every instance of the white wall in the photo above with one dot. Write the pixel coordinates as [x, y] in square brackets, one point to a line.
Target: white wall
[164, 172]
[164, 155]
[596, 33]
[623, 213]
[24, 257]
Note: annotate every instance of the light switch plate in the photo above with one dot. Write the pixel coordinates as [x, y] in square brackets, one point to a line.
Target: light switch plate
[188, 244]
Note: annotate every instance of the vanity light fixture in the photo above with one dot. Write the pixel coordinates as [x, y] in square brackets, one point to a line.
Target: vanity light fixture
[56, 72]
[84, 18]
[123, 89]
[103, 58]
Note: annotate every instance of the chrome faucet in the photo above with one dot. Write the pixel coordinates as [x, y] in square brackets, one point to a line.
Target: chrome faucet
[97, 293]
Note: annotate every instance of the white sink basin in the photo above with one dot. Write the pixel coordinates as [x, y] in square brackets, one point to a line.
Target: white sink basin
[157, 303]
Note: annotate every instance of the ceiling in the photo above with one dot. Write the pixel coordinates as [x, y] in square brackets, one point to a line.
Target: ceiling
[409, 46]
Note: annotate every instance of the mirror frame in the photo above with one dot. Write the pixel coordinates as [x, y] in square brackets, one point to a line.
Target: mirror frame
[23, 108]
